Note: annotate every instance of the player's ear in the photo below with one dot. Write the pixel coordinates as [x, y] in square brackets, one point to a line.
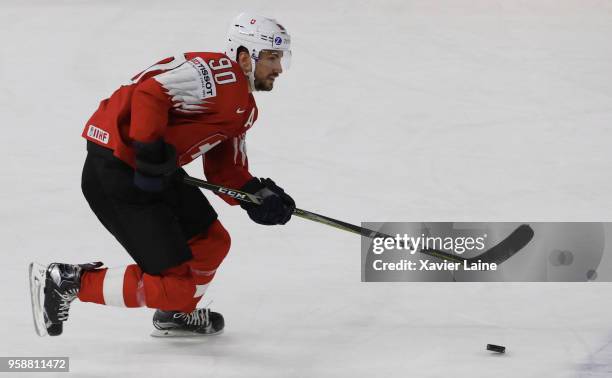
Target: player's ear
[244, 61]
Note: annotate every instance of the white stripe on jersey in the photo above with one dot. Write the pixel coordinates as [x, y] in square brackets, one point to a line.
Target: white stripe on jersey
[240, 147]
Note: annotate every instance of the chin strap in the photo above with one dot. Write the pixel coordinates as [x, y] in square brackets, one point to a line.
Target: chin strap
[251, 75]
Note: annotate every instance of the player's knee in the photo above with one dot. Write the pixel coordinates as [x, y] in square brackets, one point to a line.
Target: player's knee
[222, 239]
[212, 245]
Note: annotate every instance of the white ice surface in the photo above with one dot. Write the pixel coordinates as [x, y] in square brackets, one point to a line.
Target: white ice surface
[392, 111]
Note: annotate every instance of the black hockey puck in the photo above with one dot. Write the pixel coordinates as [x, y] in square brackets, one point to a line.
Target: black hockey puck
[496, 348]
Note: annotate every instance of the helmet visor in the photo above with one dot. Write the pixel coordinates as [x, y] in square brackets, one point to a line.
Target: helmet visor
[275, 59]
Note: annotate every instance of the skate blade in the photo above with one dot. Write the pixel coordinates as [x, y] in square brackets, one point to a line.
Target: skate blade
[181, 333]
[37, 286]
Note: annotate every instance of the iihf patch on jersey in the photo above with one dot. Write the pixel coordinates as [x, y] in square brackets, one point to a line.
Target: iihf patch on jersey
[98, 134]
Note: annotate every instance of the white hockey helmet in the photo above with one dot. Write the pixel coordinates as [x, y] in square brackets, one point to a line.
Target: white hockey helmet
[256, 33]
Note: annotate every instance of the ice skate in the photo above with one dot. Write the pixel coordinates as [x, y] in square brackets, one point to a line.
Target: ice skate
[200, 322]
[52, 289]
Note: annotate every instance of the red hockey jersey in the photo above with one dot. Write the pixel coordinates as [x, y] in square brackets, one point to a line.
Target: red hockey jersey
[199, 102]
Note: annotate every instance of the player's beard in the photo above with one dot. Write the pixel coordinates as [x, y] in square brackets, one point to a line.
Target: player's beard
[264, 85]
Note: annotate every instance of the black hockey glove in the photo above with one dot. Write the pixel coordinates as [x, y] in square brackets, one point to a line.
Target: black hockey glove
[156, 165]
[276, 206]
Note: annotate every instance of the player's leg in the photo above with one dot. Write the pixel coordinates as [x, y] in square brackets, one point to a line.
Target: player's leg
[145, 224]
[175, 292]
[152, 229]
[155, 281]
[209, 248]
[178, 288]
[209, 245]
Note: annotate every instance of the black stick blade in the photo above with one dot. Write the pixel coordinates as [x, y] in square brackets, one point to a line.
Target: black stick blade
[501, 252]
[508, 247]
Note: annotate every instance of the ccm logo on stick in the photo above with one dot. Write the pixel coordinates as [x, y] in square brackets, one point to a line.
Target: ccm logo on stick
[231, 193]
[98, 134]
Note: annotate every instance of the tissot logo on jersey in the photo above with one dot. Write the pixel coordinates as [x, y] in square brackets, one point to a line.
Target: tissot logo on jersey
[208, 85]
[98, 134]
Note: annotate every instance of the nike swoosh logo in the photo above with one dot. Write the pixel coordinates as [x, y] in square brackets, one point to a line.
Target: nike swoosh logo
[239, 111]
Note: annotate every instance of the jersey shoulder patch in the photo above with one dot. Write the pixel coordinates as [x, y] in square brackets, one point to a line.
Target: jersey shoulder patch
[189, 85]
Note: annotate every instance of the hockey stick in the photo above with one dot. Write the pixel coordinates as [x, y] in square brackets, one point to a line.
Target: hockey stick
[497, 254]
[251, 198]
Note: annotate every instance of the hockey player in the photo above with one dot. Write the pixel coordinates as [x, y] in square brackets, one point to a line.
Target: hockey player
[183, 107]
